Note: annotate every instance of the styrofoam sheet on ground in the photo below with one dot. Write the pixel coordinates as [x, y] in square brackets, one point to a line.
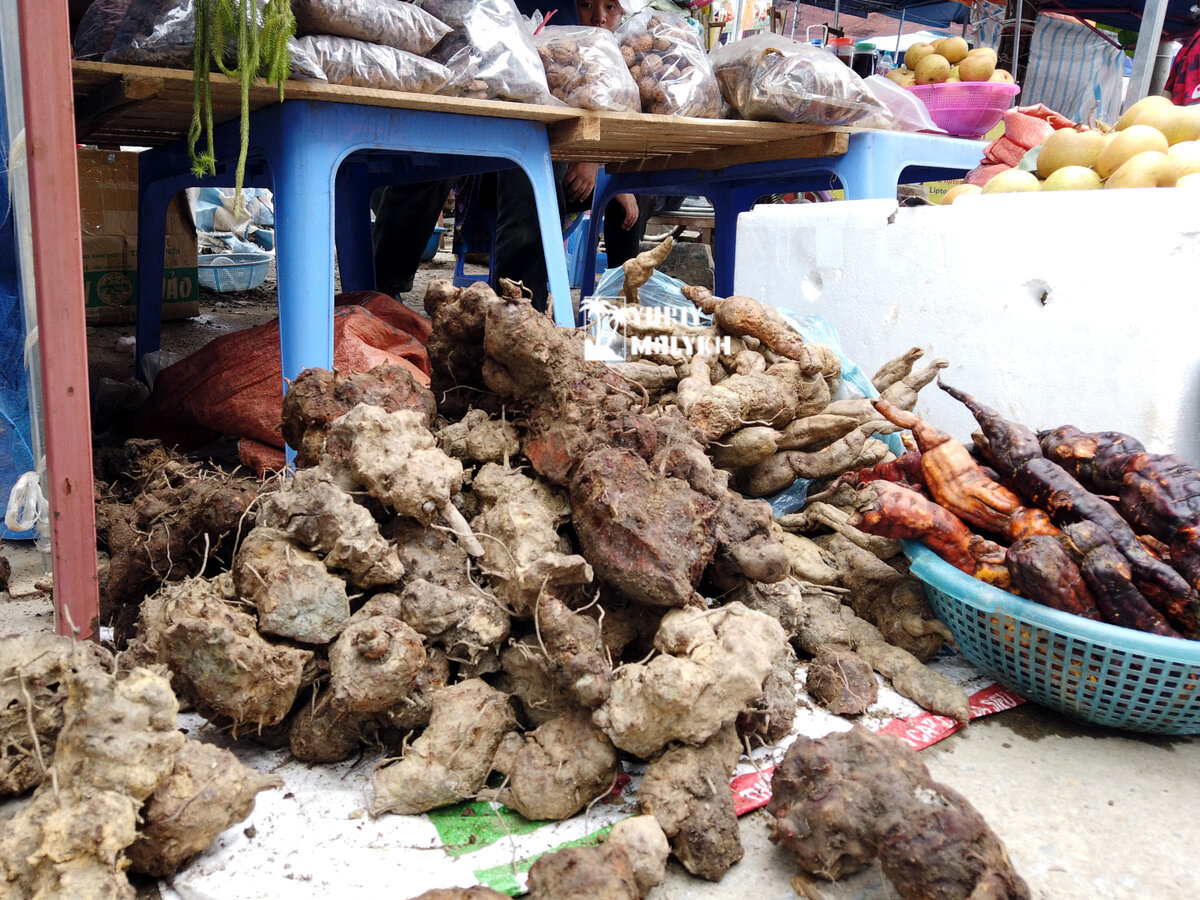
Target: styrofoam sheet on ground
[1068, 307]
[313, 838]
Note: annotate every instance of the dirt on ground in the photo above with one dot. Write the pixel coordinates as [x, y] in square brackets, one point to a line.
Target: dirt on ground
[111, 348]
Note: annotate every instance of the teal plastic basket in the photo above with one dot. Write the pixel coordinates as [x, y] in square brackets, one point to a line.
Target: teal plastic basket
[1087, 670]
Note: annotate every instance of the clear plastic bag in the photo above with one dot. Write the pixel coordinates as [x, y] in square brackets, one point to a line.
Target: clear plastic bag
[98, 27]
[395, 23]
[669, 65]
[774, 78]
[156, 33]
[908, 111]
[163, 32]
[489, 52]
[363, 64]
[585, 69]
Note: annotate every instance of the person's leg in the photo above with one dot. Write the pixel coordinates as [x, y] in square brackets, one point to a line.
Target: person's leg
[621, 244]
[405, 216]
[519, 252]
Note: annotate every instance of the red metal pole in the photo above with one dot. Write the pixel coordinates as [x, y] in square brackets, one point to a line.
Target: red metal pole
[45, 35]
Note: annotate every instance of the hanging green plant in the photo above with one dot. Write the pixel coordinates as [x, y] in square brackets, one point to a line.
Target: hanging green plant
[260, 37]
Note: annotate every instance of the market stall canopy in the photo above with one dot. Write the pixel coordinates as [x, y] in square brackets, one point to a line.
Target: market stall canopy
[1127, 14]
[936, 13]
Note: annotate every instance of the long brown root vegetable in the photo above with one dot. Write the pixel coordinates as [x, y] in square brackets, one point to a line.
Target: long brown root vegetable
[208, 790]
[896, 369]
[451, 759]
[744, 447]
[952, 476]
[774, 397]
[843, 800]
[855, 450]
[1044, 572]
[687, 790]
[815, 619]
[1045, 484]
[554, 771]
[1096, 458]
[714, 663]
[892, 600]
[745, 317]
[637, 271]
[1108, 574]
[894, 511]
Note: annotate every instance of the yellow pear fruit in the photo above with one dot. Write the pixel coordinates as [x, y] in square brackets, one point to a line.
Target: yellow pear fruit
[1190, 180]
[915, 53]
[1177, 123]
[1126, 143]
[933, 69]
[898, 75]
[1150, 168]
[1003, 76]
[1185, 156]
[1012, 181]
[984, 51]
[1148, 102]
[1072, 178]
[1068, 147]
[954, 48]
[960, 190]
[976, 68]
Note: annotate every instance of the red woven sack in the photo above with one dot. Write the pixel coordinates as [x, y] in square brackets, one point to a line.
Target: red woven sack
[231, 386]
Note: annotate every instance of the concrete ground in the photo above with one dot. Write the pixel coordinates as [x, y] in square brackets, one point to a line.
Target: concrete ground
[1087, 813]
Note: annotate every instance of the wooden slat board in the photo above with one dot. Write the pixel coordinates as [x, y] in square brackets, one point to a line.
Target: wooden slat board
[147, 106]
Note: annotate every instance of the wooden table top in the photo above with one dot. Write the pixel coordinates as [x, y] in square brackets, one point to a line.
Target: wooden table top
[148, 106]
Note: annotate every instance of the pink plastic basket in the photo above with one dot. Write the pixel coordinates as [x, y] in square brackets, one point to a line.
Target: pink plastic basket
[967, 108]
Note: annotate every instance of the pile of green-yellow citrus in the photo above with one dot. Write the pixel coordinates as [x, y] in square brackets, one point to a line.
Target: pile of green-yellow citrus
[946, 61]
[1154, 144]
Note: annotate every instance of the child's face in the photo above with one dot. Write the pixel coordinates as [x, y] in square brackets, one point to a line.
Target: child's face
[599, 13]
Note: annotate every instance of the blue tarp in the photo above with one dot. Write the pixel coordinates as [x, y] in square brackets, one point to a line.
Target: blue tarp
[16, 453]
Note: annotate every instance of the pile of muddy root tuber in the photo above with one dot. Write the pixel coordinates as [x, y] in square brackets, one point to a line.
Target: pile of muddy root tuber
[116, 786]
[543, 569]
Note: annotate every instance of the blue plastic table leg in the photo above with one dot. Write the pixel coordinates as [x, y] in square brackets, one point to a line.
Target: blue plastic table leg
[875, 163]
[303, 144]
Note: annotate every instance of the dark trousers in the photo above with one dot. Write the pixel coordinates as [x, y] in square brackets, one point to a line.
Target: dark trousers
[405, 216]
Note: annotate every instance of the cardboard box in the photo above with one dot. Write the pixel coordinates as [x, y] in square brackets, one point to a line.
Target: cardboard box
[108, 201]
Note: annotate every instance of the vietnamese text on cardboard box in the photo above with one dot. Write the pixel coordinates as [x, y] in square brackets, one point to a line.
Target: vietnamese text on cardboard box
[108, 195]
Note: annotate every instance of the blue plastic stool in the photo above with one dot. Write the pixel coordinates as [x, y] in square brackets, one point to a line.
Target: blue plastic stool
[875, 163]
[479, 218]
[308, 152]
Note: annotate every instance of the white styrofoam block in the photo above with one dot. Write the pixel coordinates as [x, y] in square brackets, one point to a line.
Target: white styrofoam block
[1068, 307]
